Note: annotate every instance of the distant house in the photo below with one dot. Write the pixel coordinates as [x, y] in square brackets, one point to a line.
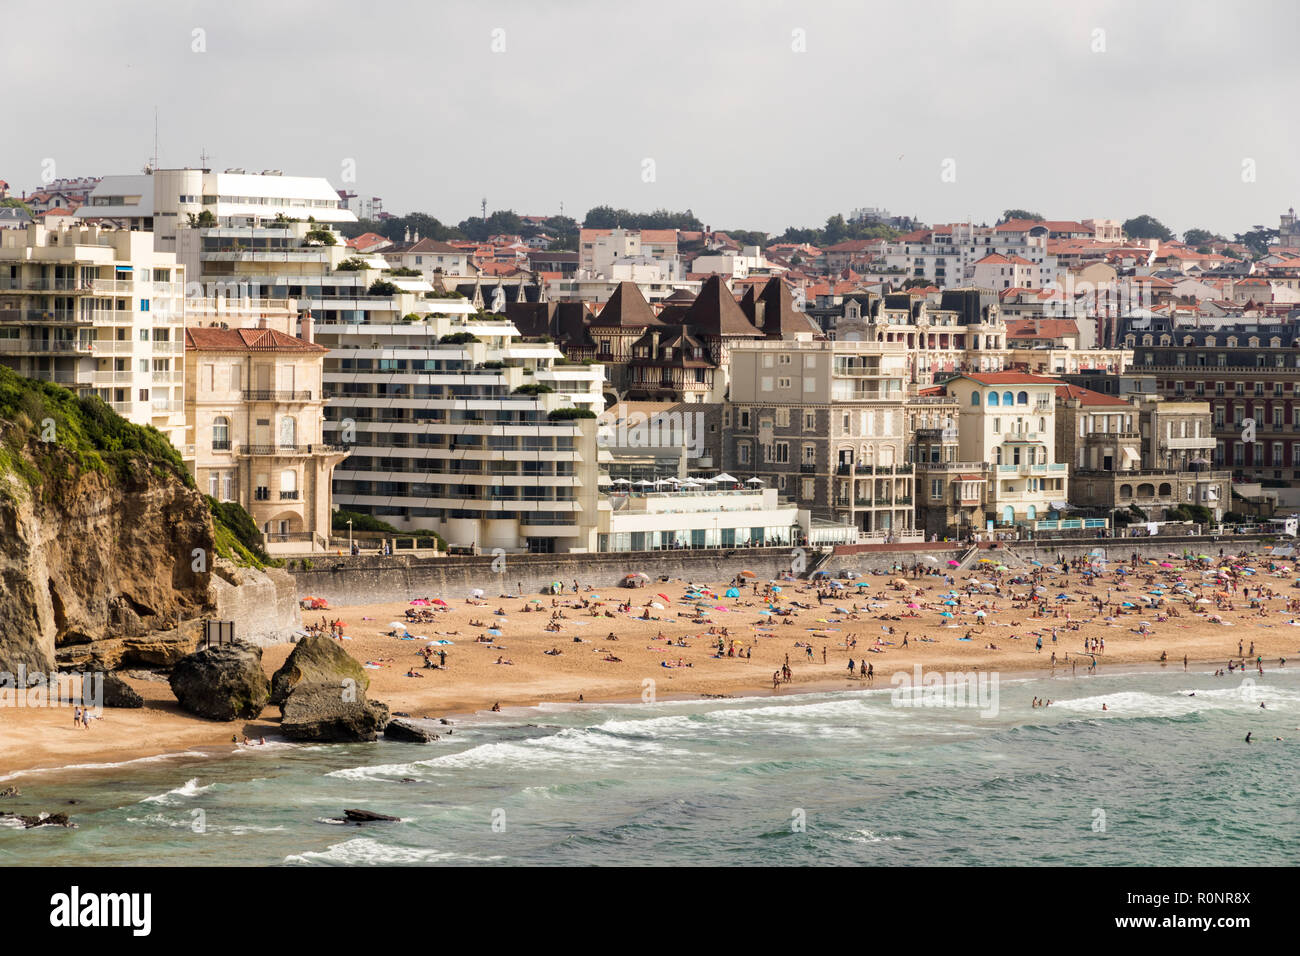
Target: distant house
[11, 217]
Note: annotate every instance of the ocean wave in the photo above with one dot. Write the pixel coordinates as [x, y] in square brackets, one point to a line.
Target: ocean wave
[104, 766]
[190, 788]
[367, 851]
[565, 750]
[1239, 697]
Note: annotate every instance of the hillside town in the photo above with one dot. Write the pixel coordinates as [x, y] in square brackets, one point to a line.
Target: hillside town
[527, 383]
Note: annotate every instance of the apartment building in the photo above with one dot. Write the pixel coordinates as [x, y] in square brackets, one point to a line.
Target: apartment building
[254, 404]
[1007, 420]
[950, 492]
[823, 422]
[1143, 456]
[456, 426]
[946, 255]
[1249, 372]
[100, 311]
[963, 332]
[165, 201]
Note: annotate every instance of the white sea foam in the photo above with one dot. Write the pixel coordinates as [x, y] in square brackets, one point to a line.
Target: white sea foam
[104, 766]
[366, 851]
[570, 748]
[867, 836]
[190, 788]
[1238, 696]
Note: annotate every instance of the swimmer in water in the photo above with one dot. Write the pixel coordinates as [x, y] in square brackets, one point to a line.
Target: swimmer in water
[1247, 737]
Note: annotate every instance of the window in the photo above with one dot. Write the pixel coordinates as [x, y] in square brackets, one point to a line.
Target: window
[1022, 398]
[809, 421]
[220, 435]
[993, 399]
[782, 383]
[783, 418]
[808, 488]
[974, 398]
[288, 432]
[742, 417]
[777, 453]
[742, 453]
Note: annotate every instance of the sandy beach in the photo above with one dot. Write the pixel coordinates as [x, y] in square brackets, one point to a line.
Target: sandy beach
[666, 644]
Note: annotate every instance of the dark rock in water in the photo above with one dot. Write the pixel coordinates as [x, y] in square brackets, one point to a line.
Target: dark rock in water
[407, 731]
[317, 659]
[325, 713]
[444, 720]
[11, 792]
[225, 682]
[47, 820]
[118, 693]
[368, 816]
[409, 780]
[400, 713]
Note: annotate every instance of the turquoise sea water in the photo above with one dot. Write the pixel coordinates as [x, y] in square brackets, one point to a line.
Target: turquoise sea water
[1159, 778]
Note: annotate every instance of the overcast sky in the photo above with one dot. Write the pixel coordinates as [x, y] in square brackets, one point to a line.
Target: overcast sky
[1106, 109]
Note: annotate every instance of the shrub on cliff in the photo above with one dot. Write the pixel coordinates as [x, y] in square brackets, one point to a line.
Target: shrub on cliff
[45, 417]
[236, 532]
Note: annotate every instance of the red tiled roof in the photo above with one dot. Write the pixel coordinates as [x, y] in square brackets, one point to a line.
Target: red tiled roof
[245, 340]
[1087, 396]
[1008, 378]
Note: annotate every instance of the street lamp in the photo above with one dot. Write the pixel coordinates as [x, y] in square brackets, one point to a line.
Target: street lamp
[349, 537]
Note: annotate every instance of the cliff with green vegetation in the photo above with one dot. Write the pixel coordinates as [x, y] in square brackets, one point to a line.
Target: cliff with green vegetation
[107, 550]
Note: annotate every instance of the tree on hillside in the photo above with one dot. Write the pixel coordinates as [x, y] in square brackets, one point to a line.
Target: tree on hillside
[1147, 227]
[1258, 239]
[1199, 237]
[1009, 214]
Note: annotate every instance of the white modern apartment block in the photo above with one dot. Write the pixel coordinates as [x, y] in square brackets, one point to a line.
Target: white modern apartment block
[448, 420]
[163, 201]
[656, 520]
[749, 261]
[100, 311]
[946, 255]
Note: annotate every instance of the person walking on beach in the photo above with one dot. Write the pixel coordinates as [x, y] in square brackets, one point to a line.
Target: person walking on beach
[823, 653]
[1038, 646]
[76, 717]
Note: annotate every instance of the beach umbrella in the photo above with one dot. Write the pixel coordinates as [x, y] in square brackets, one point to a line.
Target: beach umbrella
[440, 602]
[724, 477]
[950, 603]
[664, 596]
[913, 605]
[945, 614]
[748, 574]
[476, 593]
[732, 593]
[657, 606]
[953, 564]
[776, 588]
[494, 631]
[754, 481]
[644, 484]
[863, 584]
[397, 624]
[986, 560]
[981, 614]
[620, 481]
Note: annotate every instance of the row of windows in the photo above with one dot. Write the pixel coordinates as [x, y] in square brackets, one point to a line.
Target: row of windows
[1008, 398]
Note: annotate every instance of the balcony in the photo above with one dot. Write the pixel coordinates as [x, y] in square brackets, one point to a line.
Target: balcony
[808, 468]
[288, 496]
[274, 395]
[289, 451]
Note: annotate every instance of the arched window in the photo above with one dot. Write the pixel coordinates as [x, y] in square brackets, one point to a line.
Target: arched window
[1008, 398]
[288, 432]
[1165, 489]
[974, 398]
[1210, 341]
[1031, 512]
[220, 433]
[1126, 491]
[993, 398]
[1008, 515]
[1042, 424]
[1022, 398]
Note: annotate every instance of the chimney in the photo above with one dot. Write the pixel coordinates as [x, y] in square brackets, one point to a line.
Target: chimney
[307, 327]
[261, 322]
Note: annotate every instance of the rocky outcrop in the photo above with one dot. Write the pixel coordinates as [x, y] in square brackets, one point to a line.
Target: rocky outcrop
[317, 660]
[224, 682]
[262, 602]
[330, 713]
[118, 693]
[96, 564]
[408, 732]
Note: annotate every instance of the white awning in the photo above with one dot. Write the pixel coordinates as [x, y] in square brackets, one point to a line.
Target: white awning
[1131, 454]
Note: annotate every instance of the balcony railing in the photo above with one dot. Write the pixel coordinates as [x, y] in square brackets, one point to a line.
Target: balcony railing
[288, 496]
[284, 451]
[275, 395]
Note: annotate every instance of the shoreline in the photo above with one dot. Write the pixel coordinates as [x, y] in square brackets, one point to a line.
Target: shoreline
[93, 762]
[681, 642]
